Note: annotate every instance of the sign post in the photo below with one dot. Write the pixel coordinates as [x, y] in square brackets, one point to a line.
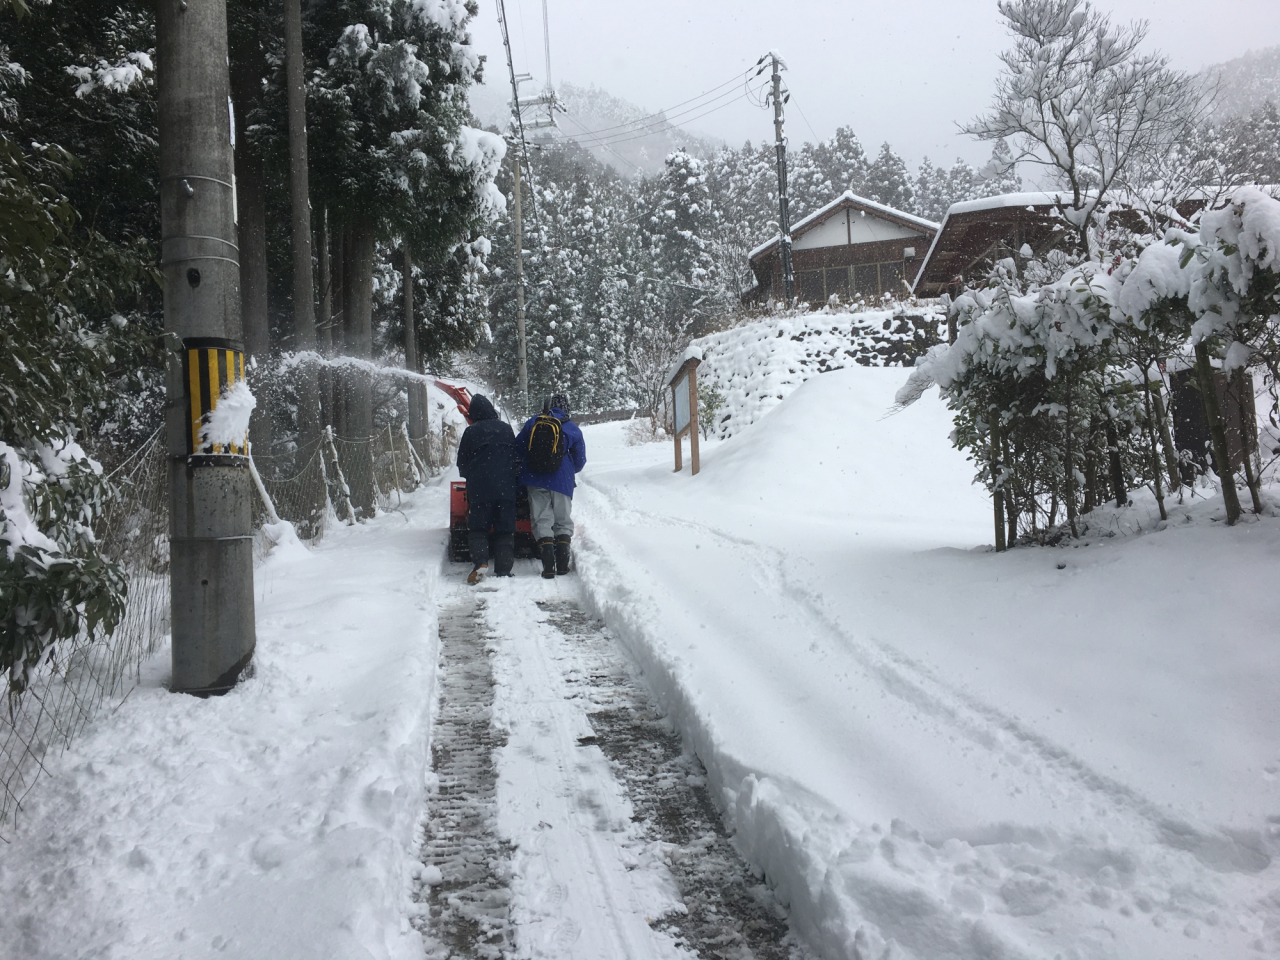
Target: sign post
[684, 397]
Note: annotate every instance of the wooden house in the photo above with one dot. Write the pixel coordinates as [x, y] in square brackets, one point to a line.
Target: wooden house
[853, 248]
[977, 233]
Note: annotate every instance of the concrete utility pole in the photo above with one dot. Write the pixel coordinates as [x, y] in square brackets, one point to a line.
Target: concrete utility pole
[522, 362]
[210, 525]
[784, 218]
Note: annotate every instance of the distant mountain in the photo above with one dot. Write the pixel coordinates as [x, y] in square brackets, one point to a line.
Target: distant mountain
[618, 133]
[1246, 83]
[623, 135]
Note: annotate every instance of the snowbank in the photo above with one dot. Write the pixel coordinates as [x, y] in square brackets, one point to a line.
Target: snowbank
[942, 752]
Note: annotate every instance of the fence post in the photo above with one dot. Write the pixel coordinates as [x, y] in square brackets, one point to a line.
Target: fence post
[324, 481]
[413, 461]
[343, 490]
[395, 464]
[373, 479]
[272, 515]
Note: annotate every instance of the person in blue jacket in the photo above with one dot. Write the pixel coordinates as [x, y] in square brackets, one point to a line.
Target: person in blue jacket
[487, 459]
[551, 494]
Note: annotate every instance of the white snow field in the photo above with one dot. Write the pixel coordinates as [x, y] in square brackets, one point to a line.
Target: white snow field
[1047, 753]
[930, 751]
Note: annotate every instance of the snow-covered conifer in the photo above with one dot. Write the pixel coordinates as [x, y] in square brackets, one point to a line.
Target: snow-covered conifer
[888, 181]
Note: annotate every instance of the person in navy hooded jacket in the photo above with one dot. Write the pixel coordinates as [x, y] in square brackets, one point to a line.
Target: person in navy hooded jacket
[551, 493]
[487, 459]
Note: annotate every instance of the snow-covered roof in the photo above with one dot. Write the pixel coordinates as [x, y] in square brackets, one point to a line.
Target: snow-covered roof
[851, 198]
[1031, 199]
[1004, 201]
[692, 352]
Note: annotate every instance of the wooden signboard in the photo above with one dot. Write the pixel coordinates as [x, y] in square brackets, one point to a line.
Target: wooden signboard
[684, 402]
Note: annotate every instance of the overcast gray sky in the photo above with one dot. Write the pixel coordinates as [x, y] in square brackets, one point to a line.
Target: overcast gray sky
[898, 70]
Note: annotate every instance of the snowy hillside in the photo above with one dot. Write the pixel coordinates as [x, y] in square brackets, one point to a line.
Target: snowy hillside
[1246, 83]
[757, 365]
[622, 135]
[631, 139]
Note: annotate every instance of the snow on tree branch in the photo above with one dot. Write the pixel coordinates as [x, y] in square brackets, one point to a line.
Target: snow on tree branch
[116, 77]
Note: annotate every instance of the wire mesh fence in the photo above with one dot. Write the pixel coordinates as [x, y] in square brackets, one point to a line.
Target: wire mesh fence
[335, 481]
[76, 678]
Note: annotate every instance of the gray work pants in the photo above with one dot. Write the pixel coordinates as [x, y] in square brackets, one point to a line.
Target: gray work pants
[551, 513]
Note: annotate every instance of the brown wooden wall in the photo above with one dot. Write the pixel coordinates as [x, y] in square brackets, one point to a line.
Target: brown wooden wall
[768, 269]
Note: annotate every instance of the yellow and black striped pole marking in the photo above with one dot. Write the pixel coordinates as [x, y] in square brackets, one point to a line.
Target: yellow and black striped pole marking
[211, 367]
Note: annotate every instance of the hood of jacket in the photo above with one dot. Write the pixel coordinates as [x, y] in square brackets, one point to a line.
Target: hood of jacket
[481, 409]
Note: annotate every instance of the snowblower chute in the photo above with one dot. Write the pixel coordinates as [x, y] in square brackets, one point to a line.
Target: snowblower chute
[459, 548]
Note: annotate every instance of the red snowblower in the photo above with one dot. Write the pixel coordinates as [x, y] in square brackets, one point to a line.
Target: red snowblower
[459, 548]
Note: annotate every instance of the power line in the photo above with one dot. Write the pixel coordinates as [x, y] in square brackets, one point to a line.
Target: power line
[816, 138]
[641, 136]
[649, 129]
[661, 113]
[604, 146]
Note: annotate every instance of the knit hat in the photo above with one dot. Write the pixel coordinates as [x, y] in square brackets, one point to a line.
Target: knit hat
[560, 400]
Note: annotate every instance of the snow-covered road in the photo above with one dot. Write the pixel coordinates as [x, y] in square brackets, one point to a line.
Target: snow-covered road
[785, 699]
[599, 839]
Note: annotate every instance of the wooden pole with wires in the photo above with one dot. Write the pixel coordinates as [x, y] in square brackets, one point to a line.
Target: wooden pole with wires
[517, 226]
[784, 215]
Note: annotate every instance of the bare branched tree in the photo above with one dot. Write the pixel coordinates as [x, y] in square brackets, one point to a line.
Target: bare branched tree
[649, 362]
[1078, 97]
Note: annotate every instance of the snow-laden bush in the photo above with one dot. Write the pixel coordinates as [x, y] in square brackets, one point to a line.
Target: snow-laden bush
[54, 584]
[1057, 387]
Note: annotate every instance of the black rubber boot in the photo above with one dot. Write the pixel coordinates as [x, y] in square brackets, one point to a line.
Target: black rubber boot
[504, 554]
[562, 555]
[478, 544]
[547, 550]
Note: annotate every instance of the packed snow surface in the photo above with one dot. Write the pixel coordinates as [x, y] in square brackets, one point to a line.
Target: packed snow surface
[929, 750]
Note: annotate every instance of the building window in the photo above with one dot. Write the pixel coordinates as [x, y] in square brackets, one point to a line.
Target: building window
[838, 282]
[873, 280]
[810, 286]
[866, 280]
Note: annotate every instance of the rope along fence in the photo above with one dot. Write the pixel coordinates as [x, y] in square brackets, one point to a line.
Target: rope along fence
[341, 481]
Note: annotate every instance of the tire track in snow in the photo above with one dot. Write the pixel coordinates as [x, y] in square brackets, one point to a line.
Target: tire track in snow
[729, 911]
[462, 884]
[569, 890]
